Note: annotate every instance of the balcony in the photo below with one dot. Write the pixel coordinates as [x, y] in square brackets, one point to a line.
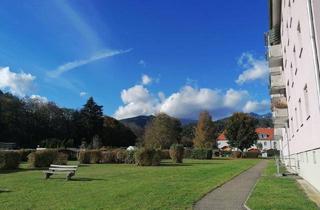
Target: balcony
[279, 101]
[275, 56]
[276, 70]
[280, 117]
[277, 84]
[277, 134]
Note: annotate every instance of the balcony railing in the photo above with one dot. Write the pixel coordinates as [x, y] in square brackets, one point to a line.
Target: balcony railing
[277, 134]
[277, 84]
[280, 117]
[275, 56]
[276, 70]
[279, 101]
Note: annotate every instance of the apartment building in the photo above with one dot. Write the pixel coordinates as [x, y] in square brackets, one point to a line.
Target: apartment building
[293, 42]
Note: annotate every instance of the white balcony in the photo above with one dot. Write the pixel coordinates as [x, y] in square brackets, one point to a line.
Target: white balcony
[275, 56]
[277, 134]
[277, 84]
[276, 70]
[280, 117]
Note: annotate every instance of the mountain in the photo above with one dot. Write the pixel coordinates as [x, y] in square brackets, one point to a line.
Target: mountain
[139, 122]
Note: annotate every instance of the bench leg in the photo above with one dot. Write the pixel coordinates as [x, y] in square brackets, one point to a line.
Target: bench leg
[48, 175]
[69, 176]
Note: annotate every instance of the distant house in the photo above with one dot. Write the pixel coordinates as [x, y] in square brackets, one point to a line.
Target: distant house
[266, 139]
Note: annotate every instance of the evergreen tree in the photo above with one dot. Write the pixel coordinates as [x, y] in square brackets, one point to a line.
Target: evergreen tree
[91, 120]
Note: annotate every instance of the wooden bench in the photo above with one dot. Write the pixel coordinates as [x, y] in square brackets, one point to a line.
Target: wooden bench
[69, 170]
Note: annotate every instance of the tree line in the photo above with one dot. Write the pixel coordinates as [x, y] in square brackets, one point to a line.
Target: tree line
[31, 122]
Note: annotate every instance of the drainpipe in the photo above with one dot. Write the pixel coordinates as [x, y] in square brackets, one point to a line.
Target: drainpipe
[314, 47]
[289, 155]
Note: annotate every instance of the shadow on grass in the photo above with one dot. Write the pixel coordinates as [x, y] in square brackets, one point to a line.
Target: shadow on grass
[4, 190]
[21, 170]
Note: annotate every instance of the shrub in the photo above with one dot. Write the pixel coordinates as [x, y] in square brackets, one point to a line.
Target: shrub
[147, 157]
[121, 155]
[176, 153]
[61, 159]
[165, 154]
[108, 156]
[252, 154]
[24, 153]
[187, 153]
[71, 155]
[42, 158]
[89, 156]
[272, 152]
[130, 157]
[236, 154]
[226, 153]
[9, 160]
[201, 154]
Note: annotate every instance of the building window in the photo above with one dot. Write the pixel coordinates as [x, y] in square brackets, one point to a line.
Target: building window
[299, 27]
[264, 143]
[296, 120]
[300, 112]
[306, 101]
[290, 22]
[300, 54]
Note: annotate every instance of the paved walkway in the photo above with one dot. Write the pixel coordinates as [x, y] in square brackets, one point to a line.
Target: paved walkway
[233, 194]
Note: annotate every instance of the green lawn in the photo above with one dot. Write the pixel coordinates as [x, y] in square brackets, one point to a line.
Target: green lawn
[111, 186]
[278, 193]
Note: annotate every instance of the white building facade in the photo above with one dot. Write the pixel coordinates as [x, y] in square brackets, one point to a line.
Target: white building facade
[293, 55]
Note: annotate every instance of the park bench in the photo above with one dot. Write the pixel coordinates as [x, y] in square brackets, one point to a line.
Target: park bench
[69, 170]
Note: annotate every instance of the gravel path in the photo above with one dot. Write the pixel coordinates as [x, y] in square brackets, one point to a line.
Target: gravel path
[233, 194]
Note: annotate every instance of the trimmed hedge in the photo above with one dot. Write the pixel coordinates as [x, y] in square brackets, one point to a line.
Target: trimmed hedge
[176, 153]
[44, 158]
[236, 154]
[89, 156]
[251, 154]
[24, 153]
[9, 160]
[108, 156]
[165, 154]
[201, 154]
[130, 157]
[105, 156]
[187, 153]
[147, 157]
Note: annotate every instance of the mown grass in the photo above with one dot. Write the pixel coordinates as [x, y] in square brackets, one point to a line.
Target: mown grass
[111, 186]
[278, 193]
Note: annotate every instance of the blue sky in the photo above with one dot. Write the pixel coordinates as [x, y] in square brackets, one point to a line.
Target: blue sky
[194, 55]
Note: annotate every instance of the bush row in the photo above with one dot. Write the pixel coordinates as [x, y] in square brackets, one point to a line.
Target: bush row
[44, 158]
[176, 153]
[9, 160]
[106, 156]
[201, 154]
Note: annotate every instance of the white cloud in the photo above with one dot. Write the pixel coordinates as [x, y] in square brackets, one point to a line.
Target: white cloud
[186, 103]
[137, 101]
[39, 98]
[234, 98]
[142, 63]
[77, 63]
[17, 83]
[255, 69]
[82, 94]
[145, 79]
[257, 107]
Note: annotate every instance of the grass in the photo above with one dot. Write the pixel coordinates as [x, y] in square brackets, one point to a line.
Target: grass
[111, 186]
[274, 193]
